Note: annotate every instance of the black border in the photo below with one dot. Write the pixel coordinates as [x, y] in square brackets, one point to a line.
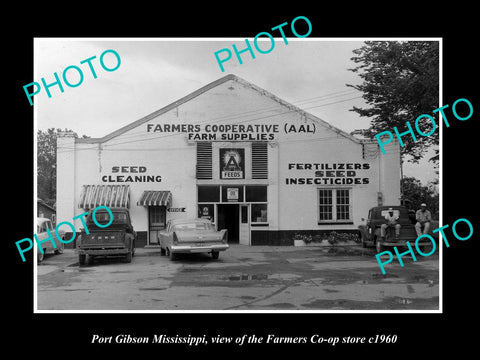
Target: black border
[427, 334]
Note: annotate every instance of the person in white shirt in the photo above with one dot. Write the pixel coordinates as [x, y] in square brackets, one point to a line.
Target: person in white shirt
[424, 217]
[391, 221]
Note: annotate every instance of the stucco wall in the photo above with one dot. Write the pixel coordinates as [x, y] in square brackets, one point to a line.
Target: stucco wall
[299, 139]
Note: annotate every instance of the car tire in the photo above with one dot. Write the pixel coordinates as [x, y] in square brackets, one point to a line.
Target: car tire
[82, 259]
[40, 256]
[59, 250]
[215, 254]
[171, 255]
[128, 257]
[90, 259]
[379, 246]
[162, 252]
[362, 240]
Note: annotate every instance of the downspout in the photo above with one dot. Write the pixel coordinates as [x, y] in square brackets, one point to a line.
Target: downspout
[401, 181]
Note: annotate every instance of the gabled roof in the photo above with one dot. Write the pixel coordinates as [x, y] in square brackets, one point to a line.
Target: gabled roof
[209, 87]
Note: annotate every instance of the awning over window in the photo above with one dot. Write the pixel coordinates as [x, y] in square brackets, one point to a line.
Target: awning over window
[155, 198]
[113, 196]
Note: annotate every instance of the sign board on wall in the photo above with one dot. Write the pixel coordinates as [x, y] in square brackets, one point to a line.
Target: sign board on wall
[232, 194]
[130, 174]
[232, 164]
[329, 173]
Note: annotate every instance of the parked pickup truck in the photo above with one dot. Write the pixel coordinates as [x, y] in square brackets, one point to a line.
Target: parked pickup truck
[370, 233]
[118, 239]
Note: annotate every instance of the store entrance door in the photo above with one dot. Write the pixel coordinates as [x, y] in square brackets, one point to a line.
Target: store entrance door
[228, 218]
[244, 233]
[156, 223]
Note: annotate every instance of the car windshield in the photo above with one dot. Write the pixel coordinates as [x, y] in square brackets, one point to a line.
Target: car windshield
[192, 226]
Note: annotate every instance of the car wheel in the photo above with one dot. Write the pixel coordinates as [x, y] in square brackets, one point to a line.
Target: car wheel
[379, 246]
[215, 254]
[172, 255]
[133, 248]
[162, 252]
[362, 239]
[90, 259]
[59, 250]
[82, 259]
[128, 257]
[40, 256]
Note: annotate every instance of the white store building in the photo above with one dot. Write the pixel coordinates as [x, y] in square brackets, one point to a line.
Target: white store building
[235, 153]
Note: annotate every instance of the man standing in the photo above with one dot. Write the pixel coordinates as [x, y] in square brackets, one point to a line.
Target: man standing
[391, 221]
[423, 217]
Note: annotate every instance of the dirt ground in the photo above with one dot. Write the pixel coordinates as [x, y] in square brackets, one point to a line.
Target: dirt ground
[259, 278]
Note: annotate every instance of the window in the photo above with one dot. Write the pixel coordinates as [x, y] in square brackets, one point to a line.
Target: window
[208, 193]
[256, 193]
[192, 226]
[232, 193]
[206, 211]
[157, 216]
[156, 223]
[334, 205]
[49, 225]
[326, 205]
[41, 228]
[259, 213]
[343, 204]
[103, 217]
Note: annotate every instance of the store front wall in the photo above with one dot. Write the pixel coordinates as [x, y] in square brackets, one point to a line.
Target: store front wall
[264, 179]
[237, 208]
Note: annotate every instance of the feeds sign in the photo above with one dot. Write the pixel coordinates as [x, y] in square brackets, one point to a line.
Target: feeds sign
[232, 163]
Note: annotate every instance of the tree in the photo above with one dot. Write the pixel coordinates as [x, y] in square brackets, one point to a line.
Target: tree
[414, 193]
[47, 164]
[400, 83]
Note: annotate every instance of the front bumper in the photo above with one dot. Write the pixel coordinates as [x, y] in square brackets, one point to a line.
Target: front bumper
[185, 249]
[404, 243]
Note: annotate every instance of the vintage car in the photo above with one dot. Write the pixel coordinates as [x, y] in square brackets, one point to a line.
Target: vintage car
[192, 236]
[118, 239]
[370, 233]
[42, 225]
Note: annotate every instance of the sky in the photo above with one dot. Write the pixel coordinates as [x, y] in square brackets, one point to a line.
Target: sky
[311, 73]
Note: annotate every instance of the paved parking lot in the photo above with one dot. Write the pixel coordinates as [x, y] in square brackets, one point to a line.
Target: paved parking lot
[243, 278]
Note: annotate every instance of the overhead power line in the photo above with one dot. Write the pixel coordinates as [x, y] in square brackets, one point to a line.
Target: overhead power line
[140, 136]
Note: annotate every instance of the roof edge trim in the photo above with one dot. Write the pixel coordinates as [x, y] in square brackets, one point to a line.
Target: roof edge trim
[205, 88]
